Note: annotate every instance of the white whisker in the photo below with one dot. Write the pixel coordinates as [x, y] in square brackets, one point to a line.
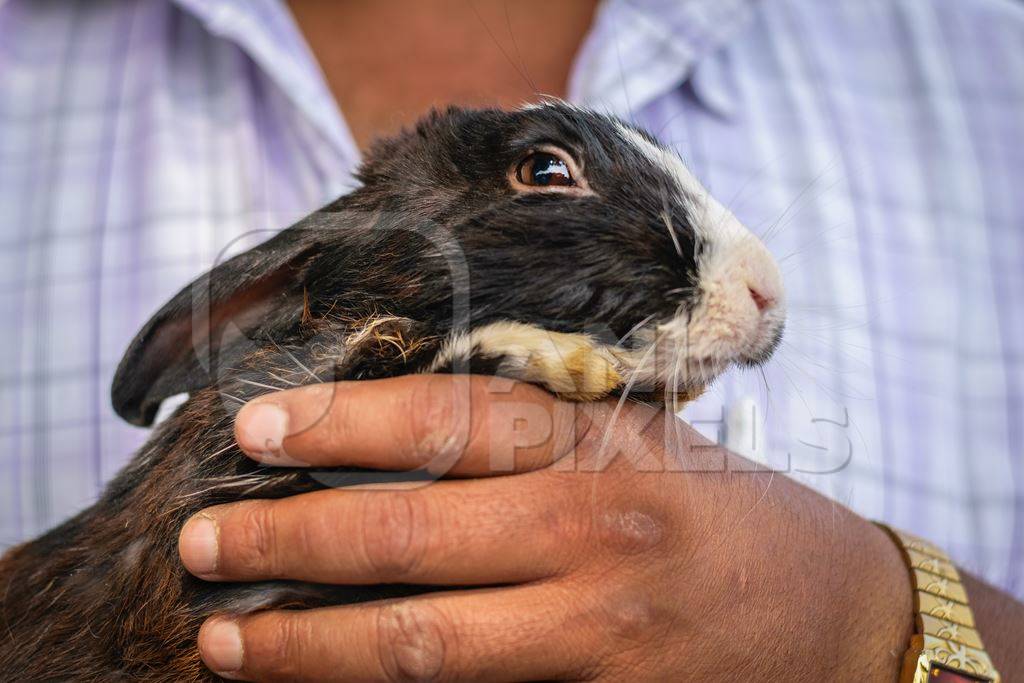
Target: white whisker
[294, 359]
[633, 330]
[622, 400]
[282, 379]
[671, 232]
[258, 384]
[216, 453]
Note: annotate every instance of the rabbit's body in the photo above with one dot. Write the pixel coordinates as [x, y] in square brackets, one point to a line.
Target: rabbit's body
[103, 596]
[447, 259]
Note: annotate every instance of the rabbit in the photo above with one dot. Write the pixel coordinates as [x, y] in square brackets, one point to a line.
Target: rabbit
[549, 244]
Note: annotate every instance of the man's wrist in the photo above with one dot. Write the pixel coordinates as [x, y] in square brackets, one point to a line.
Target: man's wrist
[879, 619]
[1000, 620]
[947, 642]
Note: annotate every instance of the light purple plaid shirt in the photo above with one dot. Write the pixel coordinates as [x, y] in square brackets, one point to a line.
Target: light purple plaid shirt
[877, 144]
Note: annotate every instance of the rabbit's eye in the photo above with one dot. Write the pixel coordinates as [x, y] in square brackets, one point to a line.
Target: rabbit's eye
[543, 169]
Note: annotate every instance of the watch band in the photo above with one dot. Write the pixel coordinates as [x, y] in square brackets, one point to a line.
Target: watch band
[946, 645]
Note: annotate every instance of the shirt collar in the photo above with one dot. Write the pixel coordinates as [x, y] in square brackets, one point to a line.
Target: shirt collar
[635, 51]
[267, 32]
[640, 49]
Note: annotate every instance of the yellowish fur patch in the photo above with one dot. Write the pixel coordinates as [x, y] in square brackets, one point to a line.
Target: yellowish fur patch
[574, 366]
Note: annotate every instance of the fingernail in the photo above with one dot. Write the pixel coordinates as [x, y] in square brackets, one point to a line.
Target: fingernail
[261, 431]
[198, 545]
[221, 646]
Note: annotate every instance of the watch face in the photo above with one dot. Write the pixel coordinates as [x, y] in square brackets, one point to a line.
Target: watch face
[940, 674]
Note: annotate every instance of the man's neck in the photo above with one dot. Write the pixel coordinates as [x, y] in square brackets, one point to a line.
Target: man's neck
[389, 62]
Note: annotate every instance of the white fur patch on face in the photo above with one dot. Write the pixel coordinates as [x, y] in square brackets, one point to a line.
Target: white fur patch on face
[741, 308]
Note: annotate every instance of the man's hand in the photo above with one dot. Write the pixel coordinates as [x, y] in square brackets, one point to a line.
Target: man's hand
[617, 546]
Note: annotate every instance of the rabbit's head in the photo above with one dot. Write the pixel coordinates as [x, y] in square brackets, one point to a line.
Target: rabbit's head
[551, 217]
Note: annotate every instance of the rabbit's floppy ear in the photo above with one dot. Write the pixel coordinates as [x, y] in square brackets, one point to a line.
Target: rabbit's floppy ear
[206, 325]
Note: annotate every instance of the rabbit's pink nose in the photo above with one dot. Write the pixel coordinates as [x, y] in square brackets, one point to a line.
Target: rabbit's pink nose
[763, 298]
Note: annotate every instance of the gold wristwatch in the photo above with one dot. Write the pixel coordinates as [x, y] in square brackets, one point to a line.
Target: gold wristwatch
[946, 646]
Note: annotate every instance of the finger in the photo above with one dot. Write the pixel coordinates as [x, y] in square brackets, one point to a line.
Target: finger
[447, 424]
[507, 634]
[478, 532]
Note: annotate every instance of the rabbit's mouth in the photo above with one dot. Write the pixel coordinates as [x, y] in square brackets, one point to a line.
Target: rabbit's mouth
[734, 322]
[737, 318]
